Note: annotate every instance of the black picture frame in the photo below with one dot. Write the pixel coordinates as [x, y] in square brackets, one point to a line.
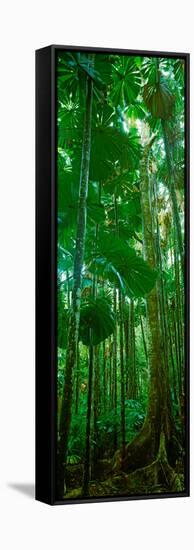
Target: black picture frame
[46, 269]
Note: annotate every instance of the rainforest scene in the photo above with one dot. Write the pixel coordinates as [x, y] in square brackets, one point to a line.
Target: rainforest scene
[120, 275]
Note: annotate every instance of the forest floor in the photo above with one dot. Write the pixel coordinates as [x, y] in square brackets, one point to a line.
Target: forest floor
[149, 480]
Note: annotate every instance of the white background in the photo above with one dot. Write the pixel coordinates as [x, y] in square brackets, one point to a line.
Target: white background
[25, 26]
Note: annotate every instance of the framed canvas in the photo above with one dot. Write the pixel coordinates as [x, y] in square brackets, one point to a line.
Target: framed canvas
[112, 274]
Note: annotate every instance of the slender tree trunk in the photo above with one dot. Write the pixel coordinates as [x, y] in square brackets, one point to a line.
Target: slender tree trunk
[179, 319]
[94, 366]
[104, 375]
[122, 373]
[159, 259]
[132, 393]
[115, 367]
[155, 347]
[144, 339]
[68, 292]
[77, 381]
[173, 362]
[87, 461]
[135, 368]
[122, 376]
[173, 194]
[110, 373]
[127, 347]
[96, 402]
[65, 418]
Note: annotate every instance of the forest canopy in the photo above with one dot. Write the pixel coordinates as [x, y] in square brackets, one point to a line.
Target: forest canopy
[120, 275]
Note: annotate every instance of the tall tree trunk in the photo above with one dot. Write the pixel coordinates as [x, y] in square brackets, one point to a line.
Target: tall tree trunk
[87, 461]
[115, 368]
[127, 346]
[94, 366]
[104, 376]
[110, 373]
[77, 381]
[173, 194]
[132, 393]
[122, 376]
[143, 449]
[159, 260]
[68, 292]
[152, 422]
[96, 406]
[144, 339]
[173, 362]
[179, 319]
[96, 355]
[65, 418]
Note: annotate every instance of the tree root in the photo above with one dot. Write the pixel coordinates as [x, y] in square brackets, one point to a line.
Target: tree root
[140, 452]
[158, 474]
[156, 477]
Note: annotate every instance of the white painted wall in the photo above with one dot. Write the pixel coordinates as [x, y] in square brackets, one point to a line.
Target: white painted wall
[25, 26]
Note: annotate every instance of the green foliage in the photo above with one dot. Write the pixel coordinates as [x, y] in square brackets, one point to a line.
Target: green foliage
[73, 69]
[97, 320]
[68, 194]
[159, 99]
[119, 263]
[108, 424]
[126, 81]
[157, 94]
[131, 96]
[110, 146]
